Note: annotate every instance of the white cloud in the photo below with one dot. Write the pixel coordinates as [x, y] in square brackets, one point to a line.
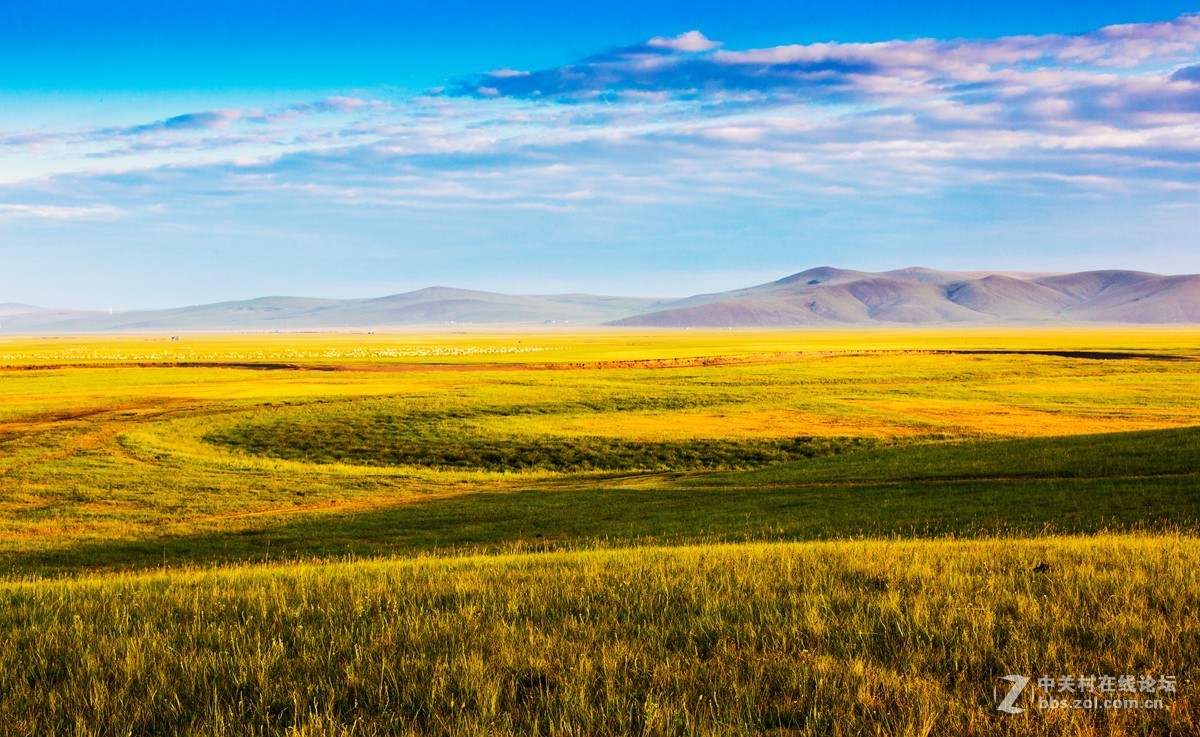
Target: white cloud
[898, 118]
[59, 212]
[690, 42]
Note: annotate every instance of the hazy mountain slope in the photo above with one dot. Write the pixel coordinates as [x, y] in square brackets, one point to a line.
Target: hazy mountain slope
[627, 305]
[1088, 284]
[434, 305]
[9, 309]
[888, 300]
[787, 285]
[802, 302]
[42, 320]
[1004, 296]
[1163, 299]
[919, 296]
[921, 274]
[820, 296]
[252, 313]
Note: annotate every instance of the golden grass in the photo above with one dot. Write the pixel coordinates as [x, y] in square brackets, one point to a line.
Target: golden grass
[845, 638]
[103, 464]
[114, 450]
[560, 344]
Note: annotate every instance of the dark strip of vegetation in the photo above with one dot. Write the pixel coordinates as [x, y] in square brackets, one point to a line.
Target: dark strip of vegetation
[1108, 455]
[1088, 355]
[567, 513]
[444, 440]
[552, 454]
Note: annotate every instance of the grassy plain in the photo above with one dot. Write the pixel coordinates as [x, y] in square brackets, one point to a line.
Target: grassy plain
[589, 532]
[786, 638]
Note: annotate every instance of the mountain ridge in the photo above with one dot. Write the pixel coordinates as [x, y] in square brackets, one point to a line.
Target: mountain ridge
[819, 296]
[921, 296]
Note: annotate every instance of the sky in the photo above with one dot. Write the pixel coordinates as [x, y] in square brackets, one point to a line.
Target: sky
[160, 154]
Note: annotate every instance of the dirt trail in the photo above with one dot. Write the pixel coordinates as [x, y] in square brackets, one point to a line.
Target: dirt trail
[88, 439]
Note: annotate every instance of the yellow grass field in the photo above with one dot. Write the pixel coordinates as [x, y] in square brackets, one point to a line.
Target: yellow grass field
[566, 531]
[66, 397]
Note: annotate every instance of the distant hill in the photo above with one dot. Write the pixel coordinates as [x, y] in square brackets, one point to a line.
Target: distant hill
[919, 296]
[23, 318]
[432, 306]
[820, 296]
[9, 309]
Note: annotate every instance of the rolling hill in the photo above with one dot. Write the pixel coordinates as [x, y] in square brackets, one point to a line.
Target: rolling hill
[431, 306]
[820, 296]
[919, 296]
[8, 309]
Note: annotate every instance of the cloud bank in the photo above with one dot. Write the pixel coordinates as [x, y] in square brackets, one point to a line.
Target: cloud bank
[949, 135]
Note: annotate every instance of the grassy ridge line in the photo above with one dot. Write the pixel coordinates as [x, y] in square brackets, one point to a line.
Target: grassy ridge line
[801, 639]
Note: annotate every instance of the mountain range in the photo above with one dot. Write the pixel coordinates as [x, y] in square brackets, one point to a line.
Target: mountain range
[918, 296]
[820, 296]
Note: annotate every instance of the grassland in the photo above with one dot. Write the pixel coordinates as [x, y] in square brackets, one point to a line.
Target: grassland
[792, 638]
[597, 532]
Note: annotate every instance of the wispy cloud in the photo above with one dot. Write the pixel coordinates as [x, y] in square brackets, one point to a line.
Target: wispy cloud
[971, 72]
[192, 129]
[206, 120]
[58, 212]
[683, 122]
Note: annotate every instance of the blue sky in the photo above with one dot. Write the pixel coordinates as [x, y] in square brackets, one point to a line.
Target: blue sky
[156, 154]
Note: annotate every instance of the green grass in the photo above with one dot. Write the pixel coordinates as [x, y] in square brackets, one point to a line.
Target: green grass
[1151, 453]
[1114, 482]
[799, 639]
[759, 533]
[447, 440]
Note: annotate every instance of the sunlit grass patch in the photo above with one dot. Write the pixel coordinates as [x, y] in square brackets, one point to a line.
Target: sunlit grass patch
[944, 479]
[114, 451]
[807, 639]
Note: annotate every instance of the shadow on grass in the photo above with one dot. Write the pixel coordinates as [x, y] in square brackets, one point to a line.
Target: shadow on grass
[559, 516]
